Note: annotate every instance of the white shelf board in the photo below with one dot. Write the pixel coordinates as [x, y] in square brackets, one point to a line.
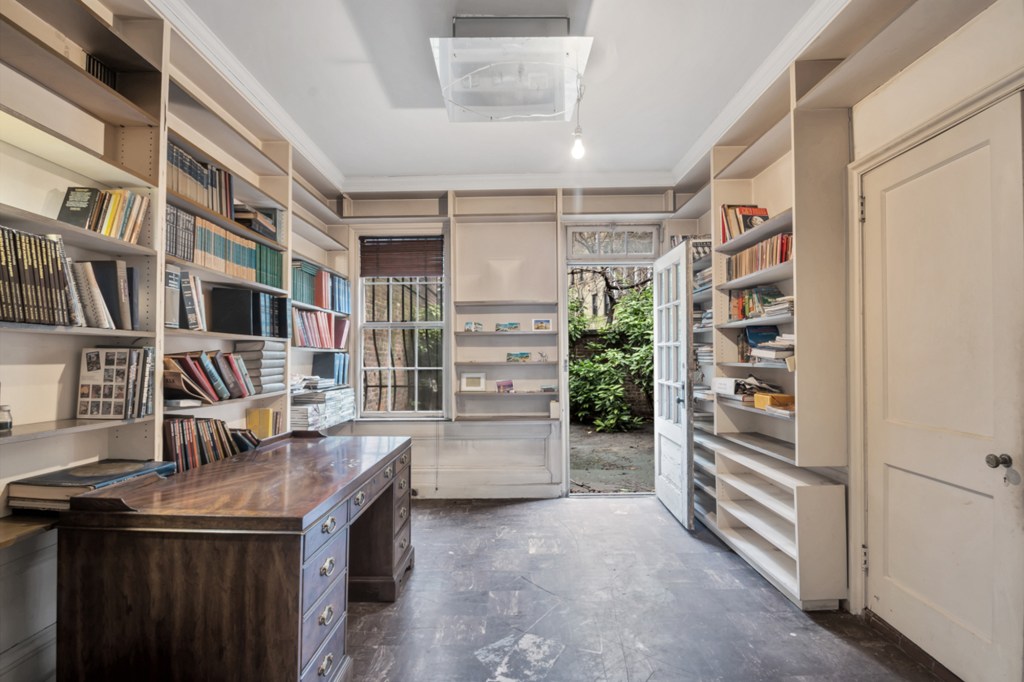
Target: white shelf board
[321, 238]
[587, 218]
[703, 295]
[519, 333]
[503, 363]
[737, 405]
[776, 273]
[780, 223]
[709, 489]
[757, 365]
[64, 427]
[755, 321]
[27, 221]
[56, 148]
[764, 493]
[775, 530]
[695, 206]
[495, 394]
[777, 566]
[701, 462]
[767, 445]
[218, 336]
[504, 304]
[302, 196]
[785, 475]
[502, 417]
[233, 401]
[25, 328]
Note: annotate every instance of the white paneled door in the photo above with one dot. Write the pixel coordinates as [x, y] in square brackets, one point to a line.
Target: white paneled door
[673, 430]
[944, 393]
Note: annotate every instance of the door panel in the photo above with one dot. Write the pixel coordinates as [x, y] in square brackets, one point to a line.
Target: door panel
[944, 371]
[673, 397]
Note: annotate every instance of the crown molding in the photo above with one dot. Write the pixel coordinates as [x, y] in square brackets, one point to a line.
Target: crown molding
[419, 183]
[810, 25]
[187, 23]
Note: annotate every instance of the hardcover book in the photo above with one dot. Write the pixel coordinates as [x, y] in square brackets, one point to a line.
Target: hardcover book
[79, 206]
[103, 383]
[66, 483]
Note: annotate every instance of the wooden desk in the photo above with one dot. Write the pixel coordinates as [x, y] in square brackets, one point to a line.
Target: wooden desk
[237, 570]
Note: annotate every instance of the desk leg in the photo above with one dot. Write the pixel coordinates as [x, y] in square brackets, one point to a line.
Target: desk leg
[380, 552]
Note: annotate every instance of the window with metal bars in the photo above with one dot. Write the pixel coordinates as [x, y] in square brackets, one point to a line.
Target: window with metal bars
[402, 326]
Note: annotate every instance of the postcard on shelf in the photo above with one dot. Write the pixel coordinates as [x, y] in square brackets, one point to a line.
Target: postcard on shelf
[473, 381]
[542, 325]
[554, 411]
[474, 326]
[521, 356]
[548, 388]
[506, 326]
[504, 386]
[103, 383]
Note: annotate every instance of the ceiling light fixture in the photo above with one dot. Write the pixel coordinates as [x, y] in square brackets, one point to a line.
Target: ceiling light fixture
[578, 150]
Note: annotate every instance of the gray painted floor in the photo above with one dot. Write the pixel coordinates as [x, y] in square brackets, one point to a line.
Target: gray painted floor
[596, 589]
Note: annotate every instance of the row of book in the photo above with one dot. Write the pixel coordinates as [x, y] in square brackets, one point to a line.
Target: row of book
[318, 329]
[197, 240]
[765, 345]
[100, 71]
[201, 182]
[39, 284]
[757, 302]
[322, 408]
[332, 367]
[198, 377]
[262, 221]
[702, 280]
[313, 285]
[116, 383]
[739, 218]
[192, 441]
[118, 213]
[264, 421]
[770, 252]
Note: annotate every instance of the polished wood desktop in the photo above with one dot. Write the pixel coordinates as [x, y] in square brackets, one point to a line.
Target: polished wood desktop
[238, 570]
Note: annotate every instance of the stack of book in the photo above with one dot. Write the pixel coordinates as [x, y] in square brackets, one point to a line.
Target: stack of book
[260, 221]
[738, 218]
[705, 353]
[754, 302]
[707, 320]
[265, 362]
[116, 383]
[117, 213]
[321, 409]
[333, 366]
[701, 280]
[774, 351]
[53, 491]
[780, 306]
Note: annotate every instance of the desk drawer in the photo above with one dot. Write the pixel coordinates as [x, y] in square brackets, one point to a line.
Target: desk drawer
[329, 658]
[320, 571]
[326, 527]
[403, 540]
[322, 618]
[402, 482]
[365, 495]
[402, 511]
[403, 460]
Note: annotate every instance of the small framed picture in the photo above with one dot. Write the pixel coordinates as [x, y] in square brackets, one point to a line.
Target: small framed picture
[474, 327]
[506, 326]
[521, 356]
[504, 386]
[542, 325]
[473, 381]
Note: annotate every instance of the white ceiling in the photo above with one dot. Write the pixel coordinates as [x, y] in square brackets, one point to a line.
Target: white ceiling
[357, 80]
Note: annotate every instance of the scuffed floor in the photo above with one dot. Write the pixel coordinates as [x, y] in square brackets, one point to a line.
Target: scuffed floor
[596, 589]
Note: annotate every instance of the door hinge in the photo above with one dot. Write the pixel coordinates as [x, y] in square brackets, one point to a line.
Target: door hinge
[862, 209]
[864, 558]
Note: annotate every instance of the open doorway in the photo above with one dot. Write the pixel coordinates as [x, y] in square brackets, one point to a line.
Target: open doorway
[611, 375]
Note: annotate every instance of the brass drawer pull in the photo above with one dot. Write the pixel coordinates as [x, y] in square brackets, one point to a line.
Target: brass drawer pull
[329, 525]
[403, 512]
[328, 567]
[327, 616]
[402, 485]
[360, 498]
[325, 666]
[403, 460]
[389, 471]
[404, 543]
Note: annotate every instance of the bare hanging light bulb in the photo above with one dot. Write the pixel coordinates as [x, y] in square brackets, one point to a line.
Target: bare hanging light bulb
[578, 150]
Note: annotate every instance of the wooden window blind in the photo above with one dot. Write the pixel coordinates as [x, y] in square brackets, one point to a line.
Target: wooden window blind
[401, 256]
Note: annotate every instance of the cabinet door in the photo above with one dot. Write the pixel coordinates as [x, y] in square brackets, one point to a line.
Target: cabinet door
[673, 396]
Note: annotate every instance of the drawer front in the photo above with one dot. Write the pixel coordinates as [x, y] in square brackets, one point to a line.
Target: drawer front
[322, 618]
[364, 497]
[319, 572]
[403, 461]
[403, 539]
[402, 511]
[402, 482]
[329, 659]
[326, 527]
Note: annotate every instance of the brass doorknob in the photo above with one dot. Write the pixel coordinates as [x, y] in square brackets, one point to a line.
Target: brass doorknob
[996, 461]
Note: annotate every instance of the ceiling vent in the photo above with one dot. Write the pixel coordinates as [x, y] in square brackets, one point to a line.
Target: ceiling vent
[510, 68]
